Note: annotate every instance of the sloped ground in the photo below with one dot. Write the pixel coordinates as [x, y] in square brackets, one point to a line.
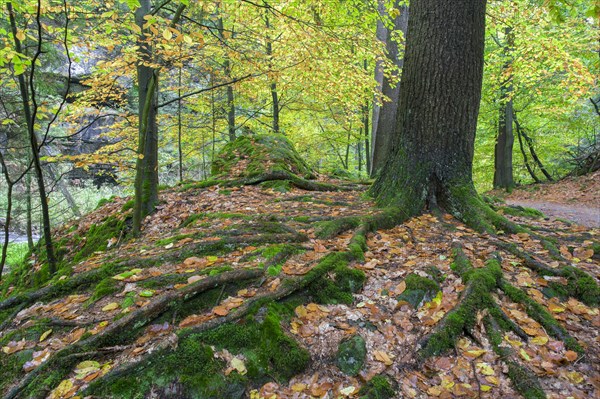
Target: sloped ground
[199, 234]
[573, 198]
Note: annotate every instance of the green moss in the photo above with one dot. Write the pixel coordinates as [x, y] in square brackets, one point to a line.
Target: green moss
[105, 287]
[337, 226]
[260, 154]
[104, 201]
[270, 352]
[280, 186]
[98, 235]
[342, 280]
[541, 315]
[199, 185]
[351, 355]
[301, 219]
[175, 238]
[418, 289]
[463, 317]
[128, 205]
[523, 212]
[582, 286]
[378, 387]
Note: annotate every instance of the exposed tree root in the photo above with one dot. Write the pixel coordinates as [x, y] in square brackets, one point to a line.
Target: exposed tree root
[523, 379]
[194, 249]
[477, 299]
[133, 321]
[295, 180]
[287, 288]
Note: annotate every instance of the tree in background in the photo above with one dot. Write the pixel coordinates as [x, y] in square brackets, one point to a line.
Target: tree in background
[384, 115]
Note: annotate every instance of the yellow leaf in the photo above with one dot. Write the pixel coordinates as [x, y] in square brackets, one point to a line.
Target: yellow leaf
[475, 353]
[239, 365]
[485, 368]
[299, 387]
[347, 391]
[45, 335]
[167, 34]
[575, 377]
[62, 389]
[541, 340]
[485, 388]
[20, 35]
[493, 380]
[524, 354]
[556, 308]
[110, 306]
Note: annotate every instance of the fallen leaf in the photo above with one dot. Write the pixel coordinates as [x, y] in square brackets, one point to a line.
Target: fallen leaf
[383, 357]
[571, 356]
[220, 311]
[111, 306]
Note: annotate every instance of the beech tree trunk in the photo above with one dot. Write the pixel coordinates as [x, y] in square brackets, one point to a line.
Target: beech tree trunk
[384, 116]
[503, 151]
[146, 176]
[431, 155]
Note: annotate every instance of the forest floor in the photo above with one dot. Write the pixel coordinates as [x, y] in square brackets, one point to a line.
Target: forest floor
[573, 198]
[173, 254]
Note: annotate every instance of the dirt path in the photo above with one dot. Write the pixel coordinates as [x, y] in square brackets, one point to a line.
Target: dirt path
[588, 216]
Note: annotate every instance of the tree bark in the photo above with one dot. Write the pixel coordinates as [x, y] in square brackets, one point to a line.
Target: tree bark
[430, 159]
[146, 177]
[273, 85]
[384, 119]
[503, 151]
[30, 116]
[230, 96]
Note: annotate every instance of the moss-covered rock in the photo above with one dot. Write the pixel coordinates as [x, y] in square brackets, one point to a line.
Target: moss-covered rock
[351, 355]
[418, 289]
[249, 156]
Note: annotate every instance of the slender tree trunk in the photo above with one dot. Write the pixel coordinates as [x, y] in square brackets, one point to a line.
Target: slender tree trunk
[381, 32]
[365, 116]
[229, 90]
[347, 157]
[146, 177]
[430, 159]
[384, 127]
[273, 85]
[29, 224]
[64, 190]
[532, 151]
[525, 159]
[179, 146]
[503, 151]
[7, 222]
[35, 150]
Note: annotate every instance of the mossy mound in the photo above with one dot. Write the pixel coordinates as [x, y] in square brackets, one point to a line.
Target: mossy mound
[249, 156]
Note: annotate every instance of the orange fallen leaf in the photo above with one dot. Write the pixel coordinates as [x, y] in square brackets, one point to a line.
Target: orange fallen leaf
[220, 311]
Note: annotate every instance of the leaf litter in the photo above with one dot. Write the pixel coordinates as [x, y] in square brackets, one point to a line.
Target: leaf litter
[391, 327]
